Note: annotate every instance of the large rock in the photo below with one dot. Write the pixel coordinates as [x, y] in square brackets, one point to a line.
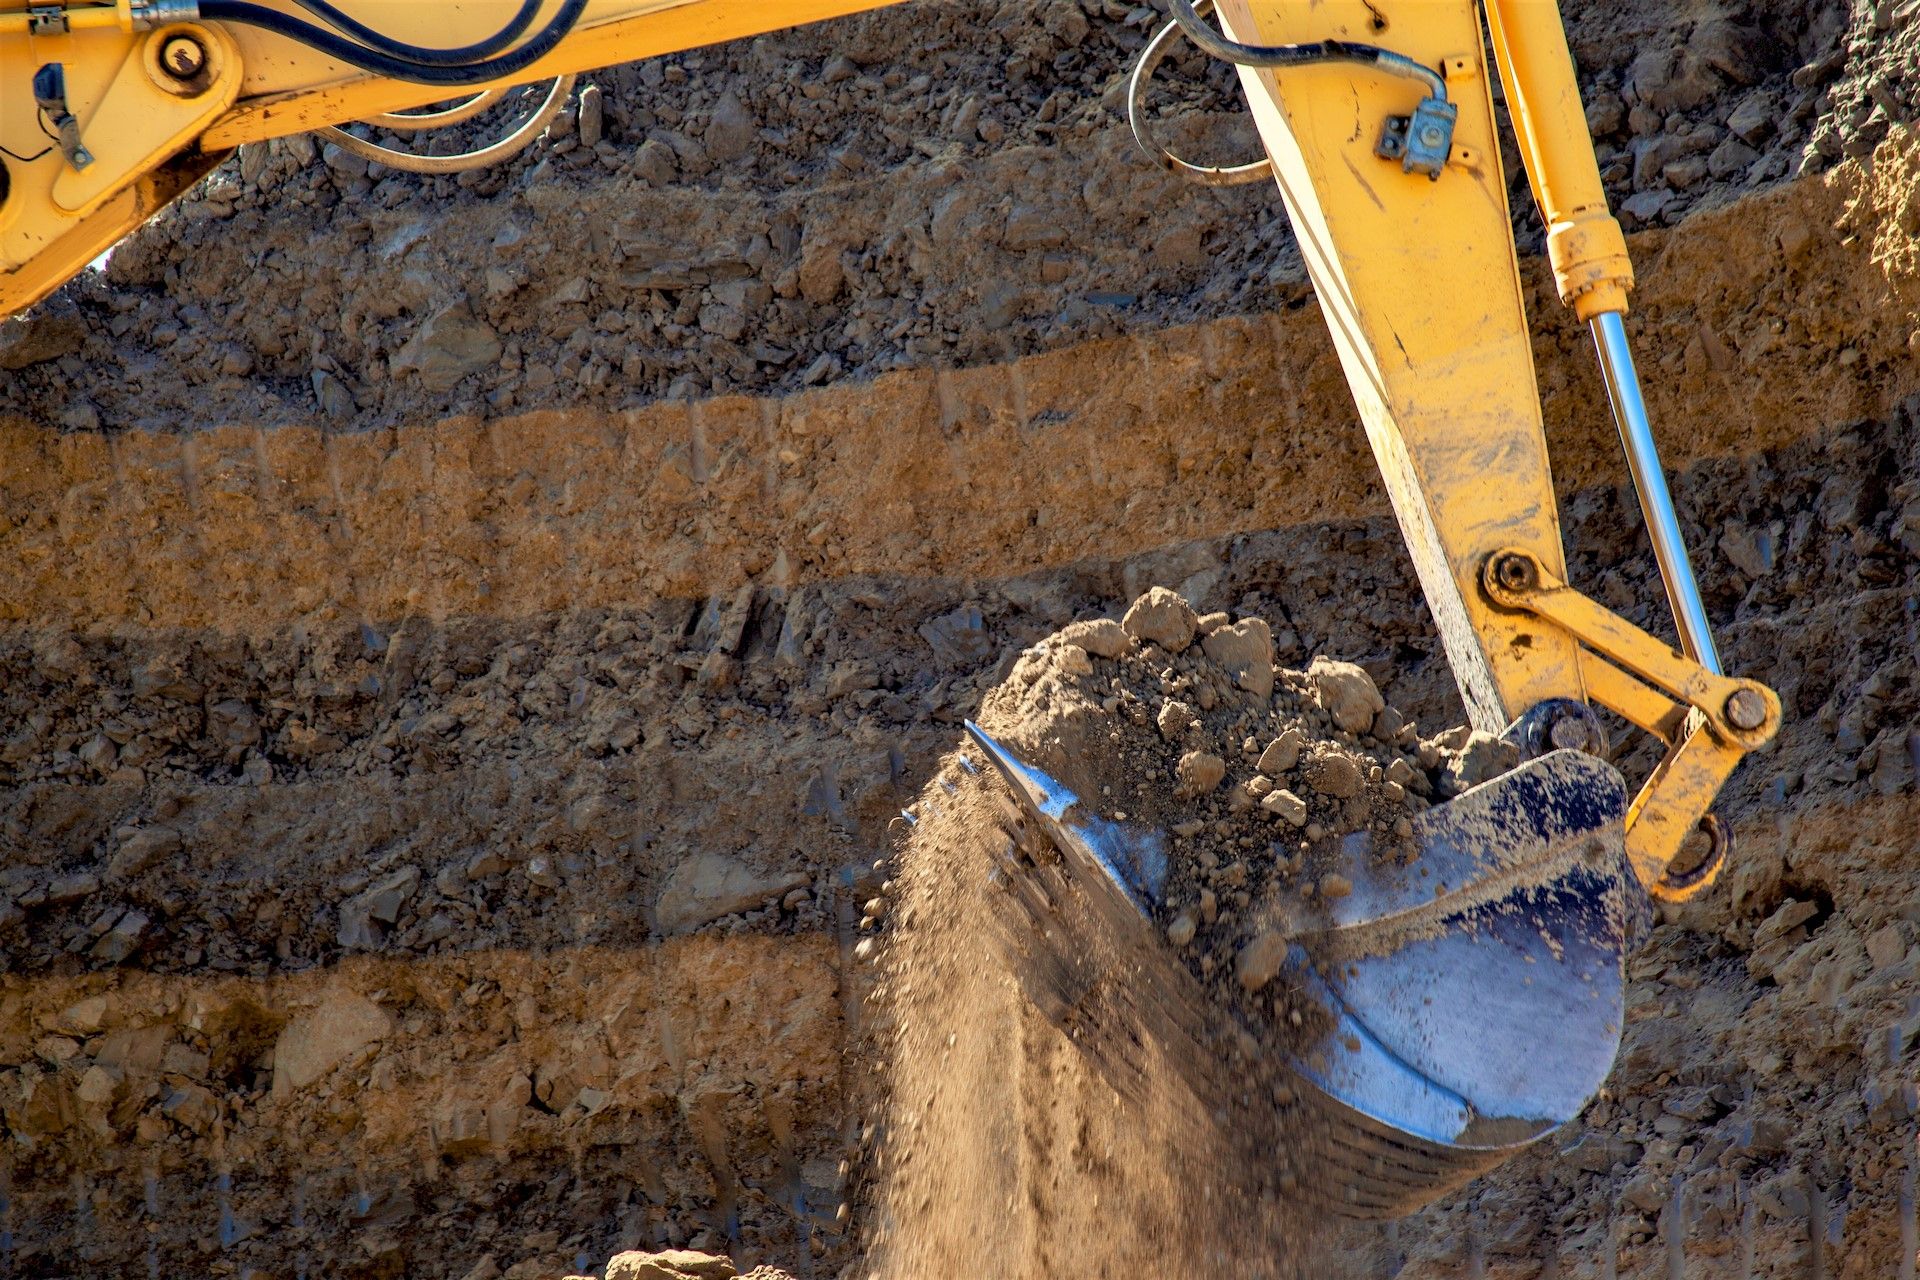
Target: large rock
[712, 885]
[1245, 649]
[1101, 637]
[673, 1264]
[324, 1037]
[55, 329]
[448, 347]
[731, 129]
[1346, 693]
[365, 917]
[1161, 617]
[141, 849]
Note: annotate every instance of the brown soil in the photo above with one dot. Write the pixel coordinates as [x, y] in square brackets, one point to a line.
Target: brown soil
[446, 838]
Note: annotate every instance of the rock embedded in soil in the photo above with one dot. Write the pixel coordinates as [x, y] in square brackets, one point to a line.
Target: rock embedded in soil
[711, 885]
[324, 1037]
[672, 1264]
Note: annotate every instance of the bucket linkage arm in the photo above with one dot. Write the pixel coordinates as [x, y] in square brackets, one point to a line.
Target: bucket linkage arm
[1417, 275]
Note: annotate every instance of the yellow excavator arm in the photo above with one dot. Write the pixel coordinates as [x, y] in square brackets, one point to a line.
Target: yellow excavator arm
[1378, 123]
[110, 110]
[1379, 127]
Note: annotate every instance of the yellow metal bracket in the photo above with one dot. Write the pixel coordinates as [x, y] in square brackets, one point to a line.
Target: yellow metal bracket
[1709, 722]
[173, 83]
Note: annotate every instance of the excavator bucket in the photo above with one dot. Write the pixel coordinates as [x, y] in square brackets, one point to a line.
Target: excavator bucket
[1468, 1000]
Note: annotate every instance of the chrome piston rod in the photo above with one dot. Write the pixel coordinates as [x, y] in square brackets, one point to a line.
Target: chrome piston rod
[1650, 483]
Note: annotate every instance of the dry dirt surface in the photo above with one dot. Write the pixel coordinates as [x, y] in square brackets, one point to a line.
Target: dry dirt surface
[456, 682]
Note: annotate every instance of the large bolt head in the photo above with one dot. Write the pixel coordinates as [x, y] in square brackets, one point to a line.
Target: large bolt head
[1570, 733]
[1515, 572]
[1746, 710]
[183, 57]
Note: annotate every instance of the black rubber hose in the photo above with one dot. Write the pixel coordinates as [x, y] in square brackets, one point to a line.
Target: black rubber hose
[1191, 17]
[359, 55]
[385, 43]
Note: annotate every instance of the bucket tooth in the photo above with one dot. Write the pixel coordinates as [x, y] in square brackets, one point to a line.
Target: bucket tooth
[1133, 857]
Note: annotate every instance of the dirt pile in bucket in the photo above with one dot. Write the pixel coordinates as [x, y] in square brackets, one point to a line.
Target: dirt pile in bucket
[1268, 781]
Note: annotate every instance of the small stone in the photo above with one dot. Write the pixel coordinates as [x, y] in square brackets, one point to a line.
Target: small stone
[1600, 1152]
[1101, 637]
[1731, 159]
[1260, 960]
[191, 1106]
[119, 943]
[1647, 206]
[141, 851]
[1199, 772]
[1648, 1193]
[82, 1018]
[730, 129]
[451, 345]
[1181, 931]
[332, 396]
[1285, 804]
[1245, 650]
[1161, 617]
[364, 918]
[593, 116]
[1484, 758]
[821, 273]
[1176, 719]
[99, 754]
[959, 638]
[72, 888]
[1752, 120]
[1345, 692]
[1335, 886]
[54, 329]
[1684, 173]
[1886, 946]
[1282, 753]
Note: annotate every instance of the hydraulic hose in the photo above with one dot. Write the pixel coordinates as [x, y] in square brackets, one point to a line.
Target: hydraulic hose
[413, 162]
[460, 57]
[1205, 36]
[359, 55]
